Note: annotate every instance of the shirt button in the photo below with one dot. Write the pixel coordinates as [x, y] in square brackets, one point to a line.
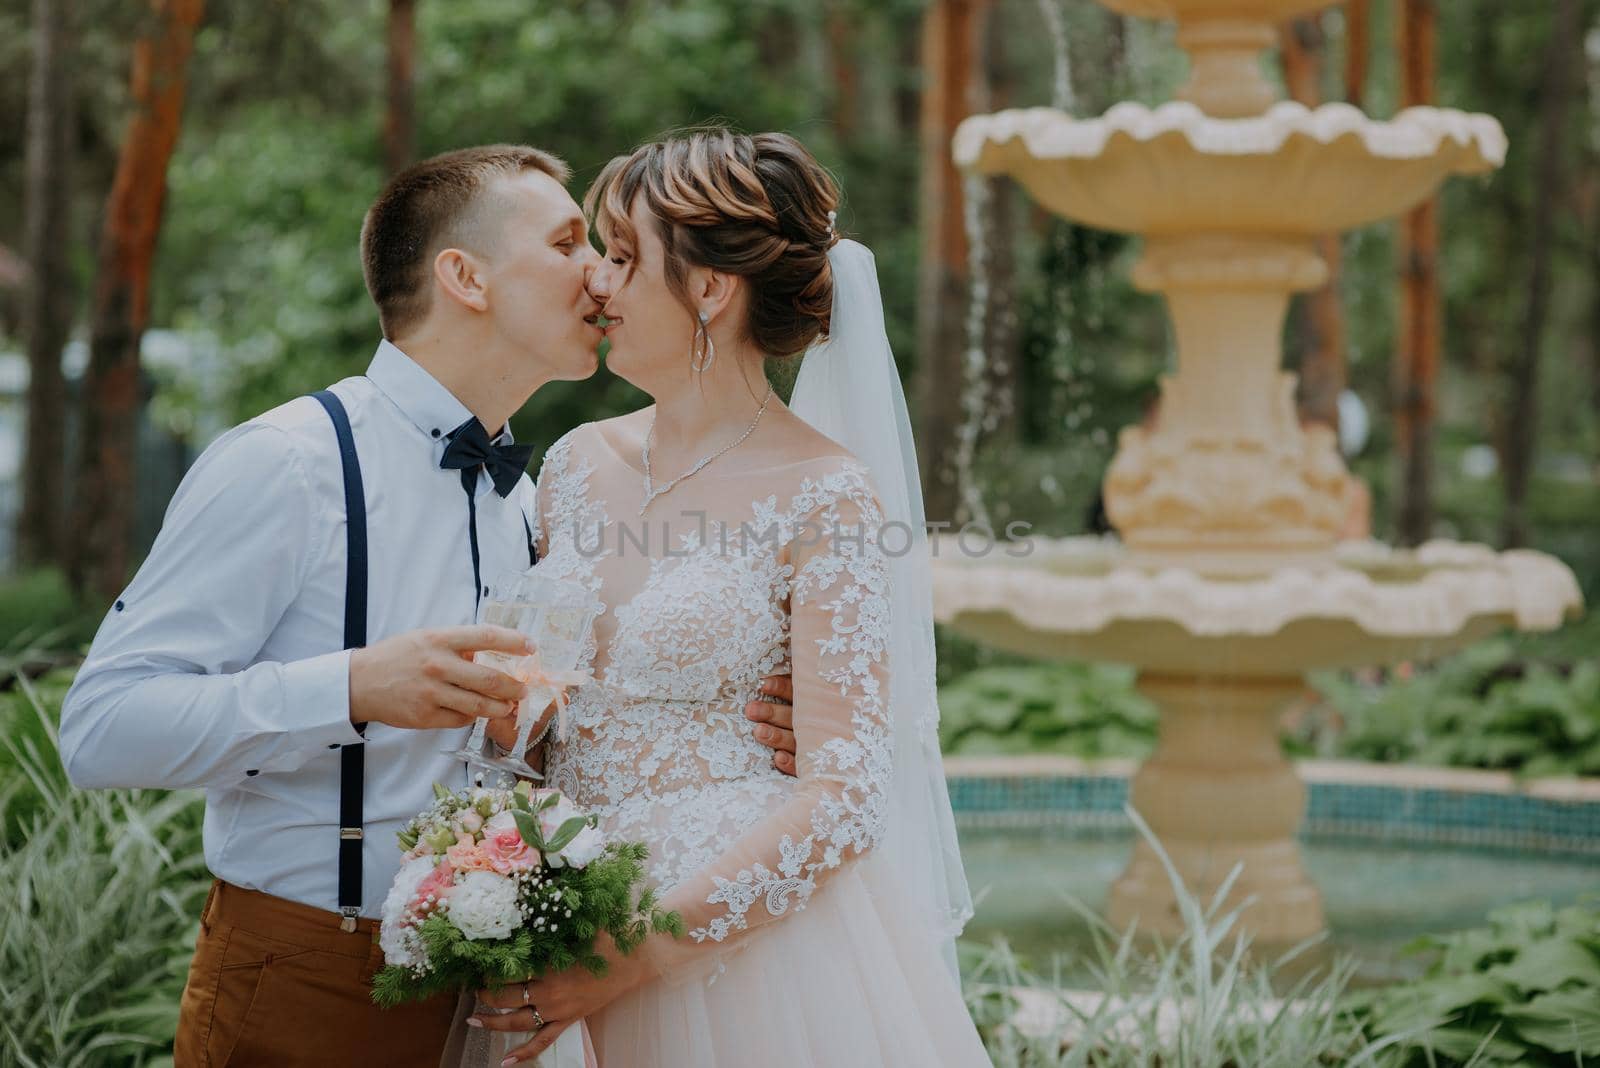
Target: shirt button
[253, 771]
[119, 606]
[435, 431]
[335, 745]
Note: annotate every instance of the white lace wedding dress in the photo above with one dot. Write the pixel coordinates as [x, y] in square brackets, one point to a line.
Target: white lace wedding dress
[799, 951]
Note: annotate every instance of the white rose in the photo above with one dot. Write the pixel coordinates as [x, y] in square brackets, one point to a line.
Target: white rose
[400, 943]
[484, 905]
[404, 887]
[551, 819]
[500, 821]
[585, 848]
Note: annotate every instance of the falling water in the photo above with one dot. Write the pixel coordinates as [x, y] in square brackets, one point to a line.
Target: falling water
[974, 380]
[1061, 95]
[978, 413]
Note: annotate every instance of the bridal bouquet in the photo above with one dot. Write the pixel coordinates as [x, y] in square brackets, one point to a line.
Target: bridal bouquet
[501, 884]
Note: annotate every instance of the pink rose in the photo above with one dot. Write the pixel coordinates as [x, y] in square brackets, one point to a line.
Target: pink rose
[507, 852]
[438, 883]
[467, 855]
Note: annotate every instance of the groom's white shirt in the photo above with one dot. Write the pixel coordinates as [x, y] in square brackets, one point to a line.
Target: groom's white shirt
[219, 667]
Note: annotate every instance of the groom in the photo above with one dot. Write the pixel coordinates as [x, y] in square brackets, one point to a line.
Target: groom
[299, 642]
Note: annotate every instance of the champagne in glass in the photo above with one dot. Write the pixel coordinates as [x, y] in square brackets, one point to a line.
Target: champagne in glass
[556, 615]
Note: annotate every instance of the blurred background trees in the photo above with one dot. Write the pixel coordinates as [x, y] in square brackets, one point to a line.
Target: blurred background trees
[1471, 331]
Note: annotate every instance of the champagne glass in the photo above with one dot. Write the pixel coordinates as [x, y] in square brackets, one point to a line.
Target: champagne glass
[556, 614]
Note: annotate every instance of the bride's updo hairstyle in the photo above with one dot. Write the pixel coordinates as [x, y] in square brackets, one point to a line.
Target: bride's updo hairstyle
[753, 206]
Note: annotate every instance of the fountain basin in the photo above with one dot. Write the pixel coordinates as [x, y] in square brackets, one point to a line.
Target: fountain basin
[1174, 170]
[1087, 599]
[1221, 656]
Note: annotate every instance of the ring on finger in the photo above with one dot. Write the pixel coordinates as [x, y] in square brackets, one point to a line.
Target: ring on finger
[538, 1021]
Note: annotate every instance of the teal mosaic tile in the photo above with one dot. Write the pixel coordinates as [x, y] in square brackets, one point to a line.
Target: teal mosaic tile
[1411, 815]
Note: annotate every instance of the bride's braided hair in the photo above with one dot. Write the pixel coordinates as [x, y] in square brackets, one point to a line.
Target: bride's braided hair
[755, 206]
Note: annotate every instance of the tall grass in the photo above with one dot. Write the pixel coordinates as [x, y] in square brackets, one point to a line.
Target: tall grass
[1201, 1001]
[105, 890]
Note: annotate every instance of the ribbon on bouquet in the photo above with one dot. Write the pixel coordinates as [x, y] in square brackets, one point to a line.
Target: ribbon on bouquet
[559, 681]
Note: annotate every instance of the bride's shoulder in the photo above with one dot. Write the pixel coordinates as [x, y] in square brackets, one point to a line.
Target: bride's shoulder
[804, 445]
[820, 471]
[622, 434]
[587, 442]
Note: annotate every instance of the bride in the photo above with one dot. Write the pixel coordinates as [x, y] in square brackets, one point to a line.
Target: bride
[730, 537]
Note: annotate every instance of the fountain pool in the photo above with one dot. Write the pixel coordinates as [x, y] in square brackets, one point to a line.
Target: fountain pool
[1393, 860]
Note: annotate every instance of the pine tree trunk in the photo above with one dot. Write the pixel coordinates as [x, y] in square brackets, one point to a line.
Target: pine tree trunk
[841, 34]
[103, 512]
[951, 29]
[1357, 49]
[1318, 317]
[1417, 362]
[400, 114]
[1523, 376]
[50, 291]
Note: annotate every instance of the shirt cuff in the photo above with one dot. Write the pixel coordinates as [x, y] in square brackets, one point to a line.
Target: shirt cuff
[317, 695]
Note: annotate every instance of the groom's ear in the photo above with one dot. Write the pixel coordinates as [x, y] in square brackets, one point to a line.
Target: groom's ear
[462, 278]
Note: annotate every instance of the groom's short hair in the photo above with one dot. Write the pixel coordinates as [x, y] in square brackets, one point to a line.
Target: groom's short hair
[430, 206]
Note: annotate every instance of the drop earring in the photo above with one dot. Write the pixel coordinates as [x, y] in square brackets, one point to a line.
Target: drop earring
[704, 350]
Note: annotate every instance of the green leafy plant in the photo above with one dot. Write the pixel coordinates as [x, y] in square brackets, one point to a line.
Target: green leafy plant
[1087, 710]
[1482, 708]
[1525, 990]
[1498, 704]
[105, 892]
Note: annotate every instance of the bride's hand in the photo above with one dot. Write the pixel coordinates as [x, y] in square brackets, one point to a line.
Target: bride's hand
[564, 998]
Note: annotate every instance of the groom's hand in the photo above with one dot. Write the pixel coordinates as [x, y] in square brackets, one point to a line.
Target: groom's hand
[776, 719]
[426, 680]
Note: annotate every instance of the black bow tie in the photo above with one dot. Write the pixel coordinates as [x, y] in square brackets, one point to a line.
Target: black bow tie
[469, 449]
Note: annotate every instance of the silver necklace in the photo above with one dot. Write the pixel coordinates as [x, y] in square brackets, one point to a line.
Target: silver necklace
[651, 494]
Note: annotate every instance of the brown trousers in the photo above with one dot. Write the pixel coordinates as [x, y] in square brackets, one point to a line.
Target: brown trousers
[276, 984]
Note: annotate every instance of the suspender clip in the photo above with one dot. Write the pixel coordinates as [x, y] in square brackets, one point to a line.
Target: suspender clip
[348, 924]
[350, 834]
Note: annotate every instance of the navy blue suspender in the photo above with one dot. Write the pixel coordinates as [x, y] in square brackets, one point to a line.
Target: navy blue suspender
[352, 758]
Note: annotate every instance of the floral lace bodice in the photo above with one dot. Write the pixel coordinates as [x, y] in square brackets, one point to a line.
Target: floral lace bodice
[727, 579]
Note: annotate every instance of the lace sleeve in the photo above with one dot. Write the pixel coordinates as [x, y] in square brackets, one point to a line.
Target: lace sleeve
[839, 631]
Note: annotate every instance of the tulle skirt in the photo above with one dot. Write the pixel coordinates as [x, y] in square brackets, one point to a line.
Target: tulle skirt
[848, 982]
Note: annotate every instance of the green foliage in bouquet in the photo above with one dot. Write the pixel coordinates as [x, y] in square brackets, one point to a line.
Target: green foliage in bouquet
[596, 898]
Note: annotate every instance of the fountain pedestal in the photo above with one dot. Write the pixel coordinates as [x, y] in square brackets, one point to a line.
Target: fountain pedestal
[1219, 792]
[1228, 481]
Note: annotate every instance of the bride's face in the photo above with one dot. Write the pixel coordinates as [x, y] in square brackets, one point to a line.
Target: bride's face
[650, 329]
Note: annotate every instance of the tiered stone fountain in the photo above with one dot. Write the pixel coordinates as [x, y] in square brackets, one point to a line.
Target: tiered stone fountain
[1228, 585]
